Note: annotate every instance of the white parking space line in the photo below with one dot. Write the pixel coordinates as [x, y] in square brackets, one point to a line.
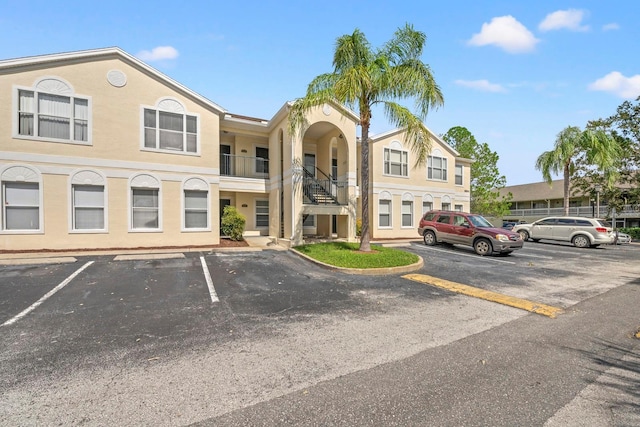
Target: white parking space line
[478, 257]
[33, 306]
[207, 276]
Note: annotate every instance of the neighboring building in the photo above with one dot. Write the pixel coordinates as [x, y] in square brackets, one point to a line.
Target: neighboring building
[402, 192]
[537, 200]
[100, 151]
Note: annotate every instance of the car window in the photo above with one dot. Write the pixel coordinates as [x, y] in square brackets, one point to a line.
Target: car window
[444, 218]
[460, 220]
[429, 216]
[604, 223]
[566, 221]
[479, 221]
[584, 223]
[547, 221]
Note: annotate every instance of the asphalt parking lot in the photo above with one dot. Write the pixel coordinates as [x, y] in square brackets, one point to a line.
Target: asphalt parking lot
[136, 312]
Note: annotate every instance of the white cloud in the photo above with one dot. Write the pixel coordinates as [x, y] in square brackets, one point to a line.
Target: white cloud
[611, 26]
[158, 53]
[482, 85]
[507, 33]
[569, 19]
[618, 84]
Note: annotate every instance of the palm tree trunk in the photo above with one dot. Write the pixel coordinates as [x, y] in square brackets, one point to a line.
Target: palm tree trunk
[365, 236]
[566, 189]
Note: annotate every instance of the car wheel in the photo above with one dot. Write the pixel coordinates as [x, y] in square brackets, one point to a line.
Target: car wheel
[524, 235]
[429, 238]
[580, 241]
[482, 247]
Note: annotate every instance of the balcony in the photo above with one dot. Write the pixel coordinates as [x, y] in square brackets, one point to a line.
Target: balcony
[244, 166]
[585, 211]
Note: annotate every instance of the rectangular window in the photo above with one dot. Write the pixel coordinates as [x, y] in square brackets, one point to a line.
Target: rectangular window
[407, 213]
[437, 168]
[262, 213]
[459, 174]
[88, 207]
[262, 160]
[427, 206]
[396, 162]
[170, 131]
[384, 213]
[309, 221]
[53, 116]
[458, 208]
[145, 209]
[196, 212]
[21, 206]
[446, 206]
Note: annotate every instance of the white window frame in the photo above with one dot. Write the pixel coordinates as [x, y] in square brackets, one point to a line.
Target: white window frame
[170, 106]
[461, 174]
[404, 161]
[195, 184]
[403, 214]
[21, 174]
[458, 208]
[386, 198]
[53, 86]
[88, 177]
[144, 181]
[256, 214]
[312, 218]
[443, 169]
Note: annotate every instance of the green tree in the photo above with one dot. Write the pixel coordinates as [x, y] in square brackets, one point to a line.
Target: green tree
[624, 126]
[363, 78]
[595, 148]
[486, 180]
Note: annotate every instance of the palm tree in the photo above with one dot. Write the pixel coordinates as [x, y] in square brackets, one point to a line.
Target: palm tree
[596, 146]
[363, 78]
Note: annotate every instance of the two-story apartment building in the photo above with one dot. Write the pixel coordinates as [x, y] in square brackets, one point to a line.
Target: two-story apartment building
[98, 150]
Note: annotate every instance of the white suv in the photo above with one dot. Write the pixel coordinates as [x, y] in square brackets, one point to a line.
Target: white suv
[580, 231]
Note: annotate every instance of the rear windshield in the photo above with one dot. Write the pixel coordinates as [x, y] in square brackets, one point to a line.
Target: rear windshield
[479, 221]
[604, 223]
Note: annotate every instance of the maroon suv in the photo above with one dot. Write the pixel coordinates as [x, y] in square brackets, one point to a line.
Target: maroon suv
[467, 229]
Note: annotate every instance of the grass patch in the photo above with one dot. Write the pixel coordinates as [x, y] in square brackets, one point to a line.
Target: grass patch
[347, 255]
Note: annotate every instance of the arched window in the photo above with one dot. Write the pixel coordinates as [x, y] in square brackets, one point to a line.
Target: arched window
[88, 201]
[384, 210]
[195, 202]
[427, 203]
[407, 210]
[21, 199]
[50, 110]
[396, 160]
[145, 203]
[169, 127]
[437, 166]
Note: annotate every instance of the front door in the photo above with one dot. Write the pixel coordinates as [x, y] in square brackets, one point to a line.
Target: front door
[225, 160]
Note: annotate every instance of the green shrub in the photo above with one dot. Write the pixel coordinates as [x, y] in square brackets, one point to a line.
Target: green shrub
[634, 232]
[233, 223]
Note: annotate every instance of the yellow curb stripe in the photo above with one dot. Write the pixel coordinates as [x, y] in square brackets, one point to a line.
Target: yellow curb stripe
[533, 307]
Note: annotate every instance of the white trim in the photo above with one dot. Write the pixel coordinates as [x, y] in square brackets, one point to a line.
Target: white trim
[395, 145]
[32, 179]
[74, 179]
[70, 93]
[255, 213]
[90, 55]
[104, 163]
[148, 184]
[385, 227]
[413, 214]
[175, 106]
[194, 183]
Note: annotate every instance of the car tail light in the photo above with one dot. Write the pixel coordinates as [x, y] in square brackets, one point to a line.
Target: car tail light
[601, 229]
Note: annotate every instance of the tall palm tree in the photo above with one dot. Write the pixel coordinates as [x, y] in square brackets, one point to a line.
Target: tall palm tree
[596, 146]
[363, 78]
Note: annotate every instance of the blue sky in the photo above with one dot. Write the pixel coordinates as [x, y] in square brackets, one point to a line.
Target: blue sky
[515, 73]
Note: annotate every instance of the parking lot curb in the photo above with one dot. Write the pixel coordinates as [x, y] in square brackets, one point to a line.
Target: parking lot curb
[46, 260]
[365, 271]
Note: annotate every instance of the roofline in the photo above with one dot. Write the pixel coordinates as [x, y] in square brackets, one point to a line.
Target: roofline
[102, 52]
[380, 136]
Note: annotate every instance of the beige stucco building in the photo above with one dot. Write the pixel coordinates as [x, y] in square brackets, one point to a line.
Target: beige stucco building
[100, 151]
